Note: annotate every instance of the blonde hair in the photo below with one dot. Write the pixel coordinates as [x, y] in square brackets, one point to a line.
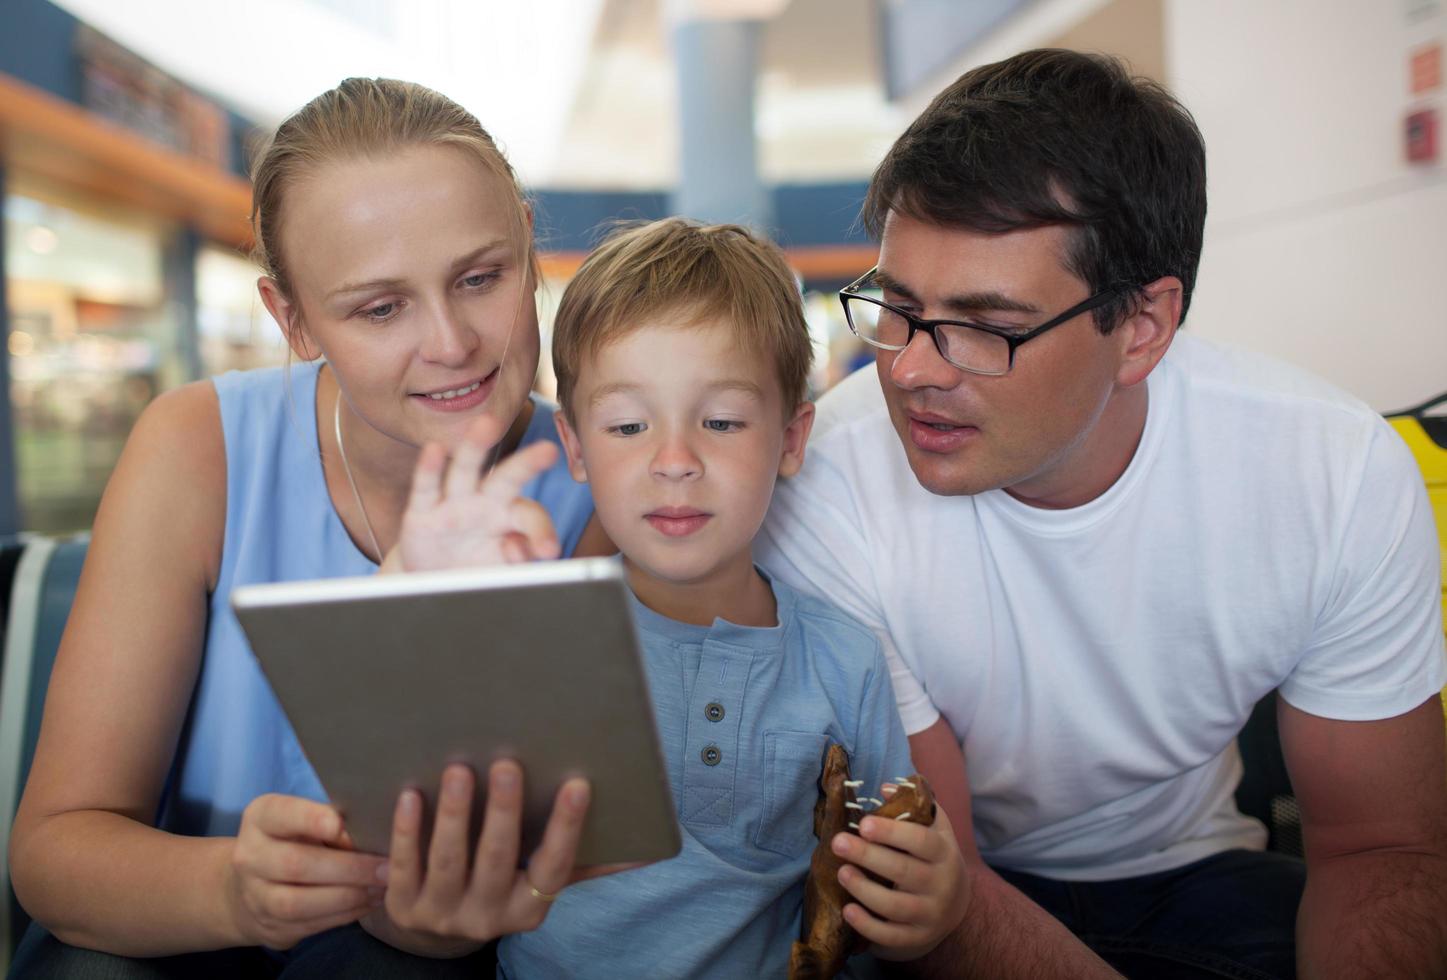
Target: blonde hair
[684, 269]
[364, 117]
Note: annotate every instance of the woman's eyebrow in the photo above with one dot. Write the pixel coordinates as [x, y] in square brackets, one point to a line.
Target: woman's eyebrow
[392, 283]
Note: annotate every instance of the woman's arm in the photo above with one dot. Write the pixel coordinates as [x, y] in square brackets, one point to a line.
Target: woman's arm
[84, 858]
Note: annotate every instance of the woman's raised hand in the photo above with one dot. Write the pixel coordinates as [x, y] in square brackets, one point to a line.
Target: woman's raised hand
[292, 873]
[459, 893]
[459, 517]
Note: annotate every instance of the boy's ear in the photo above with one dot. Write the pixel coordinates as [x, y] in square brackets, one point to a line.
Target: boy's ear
[572, 448]
[796, 436]
[287, 315]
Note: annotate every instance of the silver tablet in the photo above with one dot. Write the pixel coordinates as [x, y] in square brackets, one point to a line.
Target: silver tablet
[387, 679]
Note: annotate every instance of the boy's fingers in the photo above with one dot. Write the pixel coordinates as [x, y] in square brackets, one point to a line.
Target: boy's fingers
[551, 865]
[878, 931]
[404, 860]
[881, 900]
[893, 866]
[293, 818]
[497, 849]
[300, 903]
[427, 478]
[912, 838]
[307, 864]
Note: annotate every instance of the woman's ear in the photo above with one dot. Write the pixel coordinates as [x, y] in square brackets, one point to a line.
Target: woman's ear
[287, 315]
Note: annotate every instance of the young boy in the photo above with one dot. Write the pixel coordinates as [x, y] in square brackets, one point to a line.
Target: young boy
[682, 353]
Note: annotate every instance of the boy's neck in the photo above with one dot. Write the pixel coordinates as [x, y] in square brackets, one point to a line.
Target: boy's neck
[739, 595]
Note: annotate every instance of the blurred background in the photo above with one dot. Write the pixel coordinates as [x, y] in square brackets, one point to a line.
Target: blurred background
[126, 128]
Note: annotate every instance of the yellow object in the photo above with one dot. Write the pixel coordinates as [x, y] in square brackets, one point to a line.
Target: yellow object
[1431, 457]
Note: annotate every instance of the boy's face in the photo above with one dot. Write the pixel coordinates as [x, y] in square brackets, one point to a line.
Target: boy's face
[681, 436]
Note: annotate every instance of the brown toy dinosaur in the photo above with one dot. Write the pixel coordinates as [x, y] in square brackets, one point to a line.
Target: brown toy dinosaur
[828, 941]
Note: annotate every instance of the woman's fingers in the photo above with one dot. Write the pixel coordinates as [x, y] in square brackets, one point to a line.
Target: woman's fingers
[551, 865]
[404, 856]
[447, 858]
[497, 849]
[427, 478]
[506, 481]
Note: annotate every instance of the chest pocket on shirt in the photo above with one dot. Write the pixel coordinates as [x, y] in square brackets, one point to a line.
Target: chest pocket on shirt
[792, 762]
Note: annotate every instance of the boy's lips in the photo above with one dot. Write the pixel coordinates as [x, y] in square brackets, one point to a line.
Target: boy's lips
[677, 522]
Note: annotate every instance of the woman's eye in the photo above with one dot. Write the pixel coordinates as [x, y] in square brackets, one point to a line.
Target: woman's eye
[479, 279]
[380, 312]
[722, 425]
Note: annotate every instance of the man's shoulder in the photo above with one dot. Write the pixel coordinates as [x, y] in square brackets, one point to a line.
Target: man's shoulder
[1228, 376]
[854, 402]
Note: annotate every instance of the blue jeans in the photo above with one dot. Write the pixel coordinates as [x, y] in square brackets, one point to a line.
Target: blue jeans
[346, 952]
[1230, 915]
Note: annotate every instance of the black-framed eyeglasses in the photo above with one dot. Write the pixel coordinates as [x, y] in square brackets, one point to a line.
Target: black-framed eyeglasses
[974, 347]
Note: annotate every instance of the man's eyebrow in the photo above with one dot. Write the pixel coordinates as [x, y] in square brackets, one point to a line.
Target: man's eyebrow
[461, 262]
[981, 302]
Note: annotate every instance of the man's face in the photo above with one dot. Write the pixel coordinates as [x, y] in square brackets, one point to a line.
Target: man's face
[1031, 431]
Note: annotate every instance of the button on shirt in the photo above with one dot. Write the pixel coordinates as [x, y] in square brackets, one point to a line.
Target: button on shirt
[744, 717]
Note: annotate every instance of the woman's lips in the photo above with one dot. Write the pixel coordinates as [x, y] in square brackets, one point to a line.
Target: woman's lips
[462, 397]
[677, 522]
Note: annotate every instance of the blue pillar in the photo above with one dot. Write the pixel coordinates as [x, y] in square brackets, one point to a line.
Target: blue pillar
[180, 279]
[9, 495]
[718, 174]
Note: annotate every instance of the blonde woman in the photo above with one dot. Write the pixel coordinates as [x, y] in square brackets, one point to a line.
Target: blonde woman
[170, 811]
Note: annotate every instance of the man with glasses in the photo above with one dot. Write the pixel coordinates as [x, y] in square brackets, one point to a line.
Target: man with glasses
[1089, 546]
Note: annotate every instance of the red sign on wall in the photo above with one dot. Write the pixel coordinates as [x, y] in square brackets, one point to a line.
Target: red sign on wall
[1421, 136]
[1426, 68]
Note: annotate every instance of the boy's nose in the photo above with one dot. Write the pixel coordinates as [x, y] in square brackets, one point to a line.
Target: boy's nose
[675, 460]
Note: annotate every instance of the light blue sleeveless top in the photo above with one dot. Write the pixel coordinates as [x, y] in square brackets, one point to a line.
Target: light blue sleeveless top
[281, 526]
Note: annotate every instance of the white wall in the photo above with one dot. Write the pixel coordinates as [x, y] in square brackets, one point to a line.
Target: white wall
[1323, 246]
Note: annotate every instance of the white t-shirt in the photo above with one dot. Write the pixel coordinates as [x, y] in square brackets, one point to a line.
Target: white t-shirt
[1097, 663]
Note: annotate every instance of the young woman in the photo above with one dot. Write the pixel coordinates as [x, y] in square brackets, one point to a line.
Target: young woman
[170, 809]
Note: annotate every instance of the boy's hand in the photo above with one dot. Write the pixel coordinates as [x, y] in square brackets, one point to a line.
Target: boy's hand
[931, 888]
[460, 517]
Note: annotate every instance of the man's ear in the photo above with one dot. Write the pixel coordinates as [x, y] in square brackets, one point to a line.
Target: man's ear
[796, 436]
[1146, 334]
[287, 315]
[572, 448]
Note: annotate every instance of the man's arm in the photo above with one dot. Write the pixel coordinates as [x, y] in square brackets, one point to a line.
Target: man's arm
[1003, 934]
[1373, 798]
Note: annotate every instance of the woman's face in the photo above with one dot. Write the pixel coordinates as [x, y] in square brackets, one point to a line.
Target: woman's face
[408, 277]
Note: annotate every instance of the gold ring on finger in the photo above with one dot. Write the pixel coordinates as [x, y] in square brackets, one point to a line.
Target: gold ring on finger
[541, 896]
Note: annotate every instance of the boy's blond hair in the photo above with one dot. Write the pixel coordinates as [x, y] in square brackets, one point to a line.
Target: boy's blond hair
[691, 273]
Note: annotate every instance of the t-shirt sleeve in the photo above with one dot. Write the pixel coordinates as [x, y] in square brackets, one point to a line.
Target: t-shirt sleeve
[881, 749]
[812, 540]
[1377, 646]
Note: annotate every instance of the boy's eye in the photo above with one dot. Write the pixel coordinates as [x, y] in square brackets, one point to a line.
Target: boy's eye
[722, 425]
[626, 428]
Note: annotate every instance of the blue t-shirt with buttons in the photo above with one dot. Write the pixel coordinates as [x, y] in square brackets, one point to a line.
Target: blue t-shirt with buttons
[744, 717]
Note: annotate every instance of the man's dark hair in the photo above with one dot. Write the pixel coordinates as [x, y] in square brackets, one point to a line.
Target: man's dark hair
[1059, 137]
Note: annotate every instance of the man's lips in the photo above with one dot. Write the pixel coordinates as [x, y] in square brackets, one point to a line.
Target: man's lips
[937, 434]
[677, 522]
